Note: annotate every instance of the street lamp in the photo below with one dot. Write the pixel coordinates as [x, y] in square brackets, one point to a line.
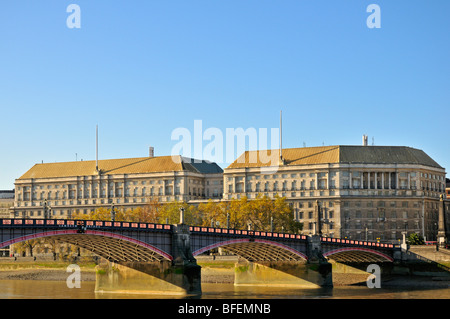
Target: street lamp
[47, 210]
[113, 213]
[345, 229]
[181, 215]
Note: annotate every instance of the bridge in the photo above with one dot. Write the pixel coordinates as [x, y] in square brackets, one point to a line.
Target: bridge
[167, 252]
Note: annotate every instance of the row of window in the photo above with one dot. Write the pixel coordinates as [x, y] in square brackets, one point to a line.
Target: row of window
[332, 174]
[379, 216]
[281, 186]
[323, 184]
[118, 192]
[276, 176]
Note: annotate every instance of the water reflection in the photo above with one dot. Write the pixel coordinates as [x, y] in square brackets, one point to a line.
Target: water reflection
[34, 289]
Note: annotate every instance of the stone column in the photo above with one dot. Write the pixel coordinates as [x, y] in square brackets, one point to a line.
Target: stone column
[396, 180]
[409, 181]
[390, 187]
[376, 180]
[350, 184]
[441, 236]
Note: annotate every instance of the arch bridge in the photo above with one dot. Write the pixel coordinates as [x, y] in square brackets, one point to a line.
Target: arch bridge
[168, 251]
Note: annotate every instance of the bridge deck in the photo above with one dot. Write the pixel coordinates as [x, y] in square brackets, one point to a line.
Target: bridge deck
[150, 241]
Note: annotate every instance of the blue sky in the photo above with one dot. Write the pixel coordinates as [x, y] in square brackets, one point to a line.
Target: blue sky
[140, 69]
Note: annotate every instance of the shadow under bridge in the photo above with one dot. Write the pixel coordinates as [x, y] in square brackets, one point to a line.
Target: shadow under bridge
[253, 246]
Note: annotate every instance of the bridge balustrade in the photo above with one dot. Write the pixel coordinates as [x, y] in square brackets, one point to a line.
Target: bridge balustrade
[213, 230]
[355, 242]
[69, 223]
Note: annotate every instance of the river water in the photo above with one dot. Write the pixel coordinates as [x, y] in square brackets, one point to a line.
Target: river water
[35, 289]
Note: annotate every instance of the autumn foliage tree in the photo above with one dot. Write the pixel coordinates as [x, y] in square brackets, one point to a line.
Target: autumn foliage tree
[262, 213]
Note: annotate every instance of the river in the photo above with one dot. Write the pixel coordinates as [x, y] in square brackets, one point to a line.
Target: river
[36, 289]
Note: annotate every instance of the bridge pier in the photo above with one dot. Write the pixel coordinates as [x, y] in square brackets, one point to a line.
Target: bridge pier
[314, 273]
[317, 261]
[136, 277]
[278, 274]
[180, 276]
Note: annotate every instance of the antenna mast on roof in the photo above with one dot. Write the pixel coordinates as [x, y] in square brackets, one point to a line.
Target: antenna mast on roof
[96, 148]
[281, 135]
[281, 161]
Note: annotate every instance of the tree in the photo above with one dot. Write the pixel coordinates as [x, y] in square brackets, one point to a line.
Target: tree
[415, 239]
[212, 212]
[170, 213]
[52, 243]
[238, 211]
[27, 245]
[258, 213]
[150, 213]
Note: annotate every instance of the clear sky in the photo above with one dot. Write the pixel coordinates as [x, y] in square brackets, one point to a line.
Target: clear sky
[141, 69]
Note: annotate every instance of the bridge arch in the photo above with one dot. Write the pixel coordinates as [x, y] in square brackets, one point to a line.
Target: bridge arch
[253, 249]
[357, 254]
[111, 246]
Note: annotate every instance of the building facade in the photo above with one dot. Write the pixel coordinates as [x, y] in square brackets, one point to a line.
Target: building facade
[83, 186]
[447, 188]
[365, 192]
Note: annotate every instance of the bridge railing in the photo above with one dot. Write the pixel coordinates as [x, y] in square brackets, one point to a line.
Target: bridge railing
[356, 242]
[99, 224]
[71, 223]
[213, 230]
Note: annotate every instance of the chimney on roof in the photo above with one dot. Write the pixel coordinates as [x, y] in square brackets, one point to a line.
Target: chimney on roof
[364, 140]
[151, 151]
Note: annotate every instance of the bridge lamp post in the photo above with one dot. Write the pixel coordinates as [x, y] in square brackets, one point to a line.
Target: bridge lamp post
[343, 230]
[181, 215]
[326, 221]
[228, 220]
[113, 213]
[47, 209]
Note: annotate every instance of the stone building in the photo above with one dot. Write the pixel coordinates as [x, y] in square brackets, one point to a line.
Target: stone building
[6, 202]
[82, 186]
[365, 192]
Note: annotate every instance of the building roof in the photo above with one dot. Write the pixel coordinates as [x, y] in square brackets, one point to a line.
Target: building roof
[139, 165]
[336, 154]
[201, 166]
